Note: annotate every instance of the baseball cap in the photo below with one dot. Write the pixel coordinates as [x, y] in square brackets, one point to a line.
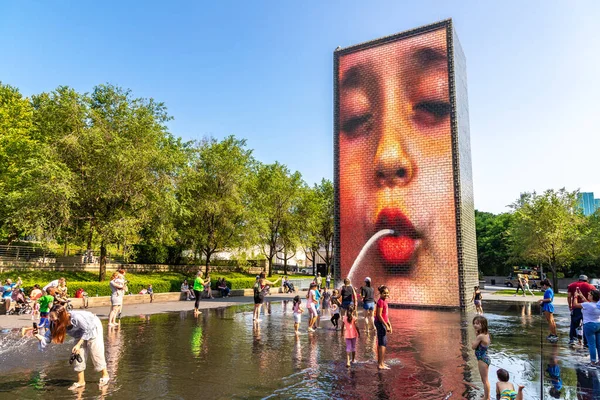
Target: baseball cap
[583, 277]
[367, 279]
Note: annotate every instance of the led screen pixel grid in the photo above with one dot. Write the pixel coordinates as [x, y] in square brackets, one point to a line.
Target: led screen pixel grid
[403, 180]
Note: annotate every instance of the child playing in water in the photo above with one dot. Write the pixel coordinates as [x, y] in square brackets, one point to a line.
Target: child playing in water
[297, 308]
[382, 325]
[506, 390]
[326, 301]
[480, 345]
[351, 332]
[476, 299]
[335, 310]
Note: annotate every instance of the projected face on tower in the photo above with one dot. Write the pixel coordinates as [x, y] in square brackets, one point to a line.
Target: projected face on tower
[395, 168]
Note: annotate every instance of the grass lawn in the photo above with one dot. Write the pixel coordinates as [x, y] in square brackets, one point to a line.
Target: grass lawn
[160, 281]
[540, 293]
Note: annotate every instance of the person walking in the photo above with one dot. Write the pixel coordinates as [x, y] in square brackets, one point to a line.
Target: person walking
[328, 281]
[519, 285]
[526, 285]
[576, 312]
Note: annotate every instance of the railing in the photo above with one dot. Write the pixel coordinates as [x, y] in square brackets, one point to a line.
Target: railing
[27, 253]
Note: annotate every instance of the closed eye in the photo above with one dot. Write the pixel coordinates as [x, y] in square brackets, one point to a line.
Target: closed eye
[439, 109]
[353, 125]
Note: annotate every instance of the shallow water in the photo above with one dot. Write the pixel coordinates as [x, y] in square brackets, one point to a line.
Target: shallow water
[223, 355]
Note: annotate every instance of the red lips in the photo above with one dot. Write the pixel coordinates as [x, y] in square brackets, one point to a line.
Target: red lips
[399, 248]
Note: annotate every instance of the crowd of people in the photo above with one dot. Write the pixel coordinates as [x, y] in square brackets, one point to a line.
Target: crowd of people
[340, 306]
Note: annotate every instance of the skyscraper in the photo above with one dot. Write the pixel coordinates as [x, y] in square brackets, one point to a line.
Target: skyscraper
[588, 204]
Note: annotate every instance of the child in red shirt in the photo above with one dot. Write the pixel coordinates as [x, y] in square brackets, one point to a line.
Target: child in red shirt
[382, 325]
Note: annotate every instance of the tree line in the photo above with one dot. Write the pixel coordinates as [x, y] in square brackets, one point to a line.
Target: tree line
[102, 169]
[546, 230]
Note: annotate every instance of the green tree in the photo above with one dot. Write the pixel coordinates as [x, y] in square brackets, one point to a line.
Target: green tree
[275, 195]
[325, 224]
[493, 251]
[213, 193]
[546, 229]
[121, 155]
[35, 191]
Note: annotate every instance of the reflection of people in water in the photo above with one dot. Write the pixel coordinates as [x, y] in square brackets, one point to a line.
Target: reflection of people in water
[553, 373]
[588, 384]
[395, 167]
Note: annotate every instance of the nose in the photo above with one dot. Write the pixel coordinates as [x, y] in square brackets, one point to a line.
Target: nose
[393, 166]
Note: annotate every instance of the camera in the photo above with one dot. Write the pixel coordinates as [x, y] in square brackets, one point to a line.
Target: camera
[74, 357]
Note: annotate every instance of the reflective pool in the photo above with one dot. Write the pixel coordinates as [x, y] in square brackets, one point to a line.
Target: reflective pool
[222, 355]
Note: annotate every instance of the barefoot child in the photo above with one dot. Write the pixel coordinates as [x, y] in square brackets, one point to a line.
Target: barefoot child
[476, 299]
[335, 310]
[382, 325]
[548, 309]
[506, 390]
[351, 332]
[480, 345]
[297, 308]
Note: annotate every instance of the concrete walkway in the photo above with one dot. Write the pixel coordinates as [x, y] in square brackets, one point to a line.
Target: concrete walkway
[19, 321]
[488, 294]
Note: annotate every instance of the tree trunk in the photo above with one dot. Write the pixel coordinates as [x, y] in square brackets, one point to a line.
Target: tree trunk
[207, 265]
[270, 267]
[90, 237]
[554, 277]
[102, 273]
[65, 248]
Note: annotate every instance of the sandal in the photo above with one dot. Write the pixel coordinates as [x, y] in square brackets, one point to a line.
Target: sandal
[76, 386]
[104, 381]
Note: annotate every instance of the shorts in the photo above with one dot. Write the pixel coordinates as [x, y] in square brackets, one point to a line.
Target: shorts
[116, 300]
[44, 321]
[350, 345]
[381, 334]
[369, 305]
[258, 299]
[346, 304]
[297, 318]
[312, 310]
[477, 302]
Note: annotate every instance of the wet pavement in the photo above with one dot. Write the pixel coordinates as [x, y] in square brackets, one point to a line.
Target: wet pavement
[223, 354]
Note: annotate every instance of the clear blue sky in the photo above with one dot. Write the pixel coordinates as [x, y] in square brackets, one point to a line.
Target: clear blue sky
[262, 71]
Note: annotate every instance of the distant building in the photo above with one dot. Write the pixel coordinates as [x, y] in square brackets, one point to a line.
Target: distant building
[588, 204]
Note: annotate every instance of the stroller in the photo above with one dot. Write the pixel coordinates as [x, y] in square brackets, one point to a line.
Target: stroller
[290, 287]
[22, 305]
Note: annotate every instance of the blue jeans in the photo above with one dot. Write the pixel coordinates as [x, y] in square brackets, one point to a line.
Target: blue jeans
[591, 330]
[576, 319]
